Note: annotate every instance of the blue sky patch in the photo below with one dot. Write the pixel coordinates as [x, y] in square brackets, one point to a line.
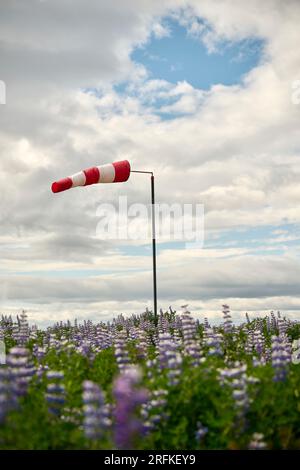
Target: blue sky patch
[180, 57]
[276, 238]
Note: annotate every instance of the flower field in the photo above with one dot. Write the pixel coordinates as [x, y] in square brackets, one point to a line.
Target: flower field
[138, 383]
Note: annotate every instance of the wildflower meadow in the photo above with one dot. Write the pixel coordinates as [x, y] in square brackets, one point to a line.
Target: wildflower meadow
[142, 382]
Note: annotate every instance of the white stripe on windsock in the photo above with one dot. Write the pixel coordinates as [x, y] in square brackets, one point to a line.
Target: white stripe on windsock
[107, 173]
[78, 179]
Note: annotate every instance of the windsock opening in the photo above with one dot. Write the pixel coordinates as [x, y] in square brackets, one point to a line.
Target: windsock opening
[122, 171]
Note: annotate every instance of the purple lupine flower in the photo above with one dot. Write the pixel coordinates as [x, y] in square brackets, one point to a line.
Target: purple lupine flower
[15, 331]
[191, 346]
[33, 332]
[151, 365]
[55, 395]
[163, 323]
[53, 342]
[85, 349]
[53, 375]
[174, 369]
[273, 320]
[249, 343]
[21, 369]
[39, 352]
[23, 335]
[3, 394]
[96, 417]
[127, 424]
[201, 431]
[164, 342]
[142, 345]
[282, 326]
[280, 358]
[237, 379]
[139, 335]
[147, 327]
[102, 337]
[214, 341]
[8, 399]
[227, 319]
[257, 442]
[169, 358]
[153, 410]
[258, 341]
[121, 353]
[240, 394]
[177, 337]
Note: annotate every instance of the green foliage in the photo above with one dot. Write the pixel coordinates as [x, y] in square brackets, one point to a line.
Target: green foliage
[199, 397]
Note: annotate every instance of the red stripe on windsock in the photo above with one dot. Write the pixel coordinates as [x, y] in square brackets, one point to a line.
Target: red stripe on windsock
[92, 175]
[61, 185]
[122, 170]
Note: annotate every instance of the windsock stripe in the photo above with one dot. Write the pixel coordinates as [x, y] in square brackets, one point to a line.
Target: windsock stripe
[122, 170]
[62, 185]
[79, 179]
[107, 173]
[92, 175]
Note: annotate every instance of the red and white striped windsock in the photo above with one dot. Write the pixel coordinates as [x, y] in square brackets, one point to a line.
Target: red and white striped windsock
[111, 173]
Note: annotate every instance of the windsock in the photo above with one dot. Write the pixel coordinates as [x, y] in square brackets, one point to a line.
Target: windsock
[111, 173]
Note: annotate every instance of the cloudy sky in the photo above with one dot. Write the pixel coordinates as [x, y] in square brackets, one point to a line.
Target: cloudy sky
[202, 93]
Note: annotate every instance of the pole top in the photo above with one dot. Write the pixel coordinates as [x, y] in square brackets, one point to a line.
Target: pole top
[146, 172]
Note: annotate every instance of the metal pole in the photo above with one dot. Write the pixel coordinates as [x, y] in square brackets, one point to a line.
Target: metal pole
[153, 240]
[154, 247]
